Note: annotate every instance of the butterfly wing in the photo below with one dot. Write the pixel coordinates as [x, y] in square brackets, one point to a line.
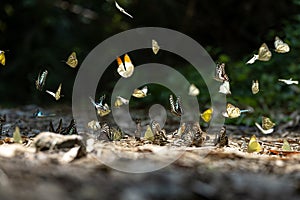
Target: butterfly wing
[207, 114]
[267, 123]
[255, 87]
[149, 134]
[2, 58]
[129, 68]
[40, 82]
[220, 74]
[155, 47]
[253, 145]
[253, 59]
[72, 60]
[57, 93]
[280, 46]
[122, 10]
[140, 93]
[225, 88]
[193, 90]
[232, 111]
[264, 54]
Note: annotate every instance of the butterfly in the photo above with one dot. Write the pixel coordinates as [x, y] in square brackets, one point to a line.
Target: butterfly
[255, 87]
[72, 60]
[280, 46]
[176, 108]
[286, 145]
[57, 94]
[225, 88]
[232, 111]
[102, 109]
[155, 47]
[222, 138]
[193, 90]
[120, 101]
[40, 82]
[2, 58]
[267, 123]
[207, 114]
[140, 93]
[17, 136]
[122, 10]
[126, 69]
[40, 114]
[253, 145]
[160, 137]
[264, 54]
[289, 81]
[114, 134]
[94, 125]
[220, 74]
[149, 134]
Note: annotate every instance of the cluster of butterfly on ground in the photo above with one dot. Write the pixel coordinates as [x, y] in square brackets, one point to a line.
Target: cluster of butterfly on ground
[189, 133]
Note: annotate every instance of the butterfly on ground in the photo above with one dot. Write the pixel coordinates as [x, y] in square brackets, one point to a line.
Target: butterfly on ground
[255, 87]
[40, 114]
[220, 74]
[40, 82]
[280, 46]
[232, 111]
[289, 81]
[102, 108]
[264, 54]
[286, 146]
[122, 10]
[148, 135]
[125, 69]
[176, 107]
[225, 88]
[155, 47]
[120, 101]
[207, 114]
[193, 90]
[2, 58]
[72, 60]
[222, 138]
[57, 94]
[140, 93]
[253, 145]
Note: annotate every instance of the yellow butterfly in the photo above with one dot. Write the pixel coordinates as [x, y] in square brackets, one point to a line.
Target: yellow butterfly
[2, 57]
[267, 123]
[225, 88]
[72, 60]
[120, 101]
[207, 114]
[193, 90]
[264, 54]
[280, 46]
[149, 134]
[155, 47]
[126, 69]
[255, 87]
[140, 93]
[253, 145]
[57, 94]
[17, 136]
[286, 146]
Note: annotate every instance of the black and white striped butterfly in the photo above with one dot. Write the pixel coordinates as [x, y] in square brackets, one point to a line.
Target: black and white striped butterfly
[176, 108]
[220, 74]
[40, 82]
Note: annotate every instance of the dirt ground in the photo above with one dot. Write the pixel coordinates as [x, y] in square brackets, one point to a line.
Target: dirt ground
[199, 173]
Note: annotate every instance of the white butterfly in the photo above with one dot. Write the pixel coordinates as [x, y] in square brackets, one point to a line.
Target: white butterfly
[193, 90]
[289, 81]
[140, 93]
[120, 101]
[263, 130]
[122, 10]
[57, 94]
[280, 46]
[264, 54]
[126, 69]
[155, 47]
[225, 88]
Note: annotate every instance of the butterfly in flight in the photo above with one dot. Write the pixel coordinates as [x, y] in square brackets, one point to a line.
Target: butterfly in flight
[102, 109]
[140, 93]
[225, 88]
[220, 74]
[57, 94]
[232, 111]
[40, 82]
[280, 46]
[122, 10]
[264, 54]
[267, 126]
[255, 87]
[72, 60]
[207, 114]
[176, 107]
[2, 58]
[193, 90]
[155, 47]
[126, 69]
[289, 81]
[121, 101]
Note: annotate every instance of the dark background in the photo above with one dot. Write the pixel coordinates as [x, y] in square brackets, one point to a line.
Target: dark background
[39, 34]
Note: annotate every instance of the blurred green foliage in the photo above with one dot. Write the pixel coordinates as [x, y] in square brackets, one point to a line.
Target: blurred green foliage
[40, 34]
